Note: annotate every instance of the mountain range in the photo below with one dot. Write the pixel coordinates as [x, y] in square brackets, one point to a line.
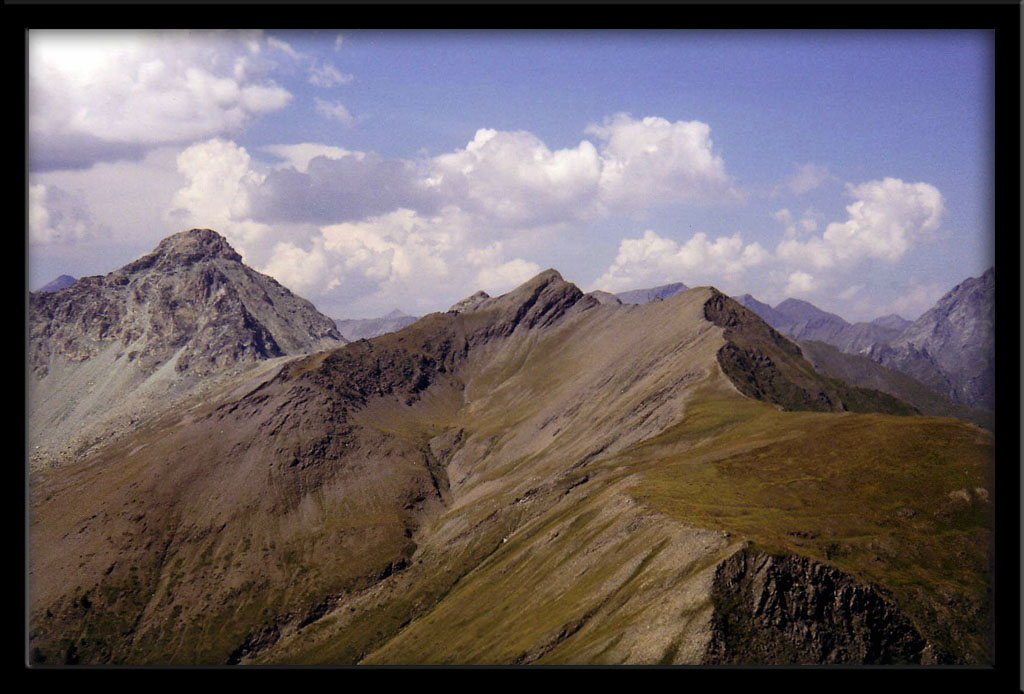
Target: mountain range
[353, 329]
[537, 477]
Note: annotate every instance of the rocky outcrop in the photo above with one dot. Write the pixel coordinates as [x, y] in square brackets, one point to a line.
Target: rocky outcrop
[792, 610]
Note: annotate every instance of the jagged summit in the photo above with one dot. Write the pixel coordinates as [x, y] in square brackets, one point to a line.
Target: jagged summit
[186, 248]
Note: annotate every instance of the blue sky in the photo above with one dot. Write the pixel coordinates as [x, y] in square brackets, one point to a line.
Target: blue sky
[372, 170]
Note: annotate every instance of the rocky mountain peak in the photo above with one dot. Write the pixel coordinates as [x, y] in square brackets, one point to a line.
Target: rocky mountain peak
[184, 249]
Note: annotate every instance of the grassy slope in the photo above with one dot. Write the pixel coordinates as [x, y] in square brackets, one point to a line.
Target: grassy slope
[874, 495]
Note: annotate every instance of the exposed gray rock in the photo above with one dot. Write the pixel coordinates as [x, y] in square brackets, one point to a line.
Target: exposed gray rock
[192, 297]
[951, 348]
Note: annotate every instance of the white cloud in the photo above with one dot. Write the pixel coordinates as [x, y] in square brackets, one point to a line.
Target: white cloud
[402, 258]
[327, 76]
[507, 276]
[513, 177]
[338, 40]
[654, 161]
[886, 220]
[334, 110]
[652, 259]
[143, 88]
[801, 284]
[300, 154]
[220, 179]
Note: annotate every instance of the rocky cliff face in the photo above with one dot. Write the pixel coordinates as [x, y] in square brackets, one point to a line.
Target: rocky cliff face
[792, 610]
[951, 348]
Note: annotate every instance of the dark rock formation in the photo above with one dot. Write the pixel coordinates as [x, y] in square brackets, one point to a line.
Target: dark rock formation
[793, 610]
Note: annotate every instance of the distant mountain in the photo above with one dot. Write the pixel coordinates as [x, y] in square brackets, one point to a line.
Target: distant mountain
[892, 322]
[766, 312]
[353, 329]
[107, 346]
[951, 348]
[859, 370]
[57, 284]
[642, 296]
[803, 320]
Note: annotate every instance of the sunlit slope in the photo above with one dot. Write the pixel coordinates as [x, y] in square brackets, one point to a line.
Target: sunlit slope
[540, 479]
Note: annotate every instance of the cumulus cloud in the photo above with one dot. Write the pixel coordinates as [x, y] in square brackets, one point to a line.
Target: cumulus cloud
[515, 177]
[886, 220]
[654, 161]
[800, 284]
[220, 180]
[299, 155]
[389, 260]
[652, 259]
[118, 92]
[640, 164]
